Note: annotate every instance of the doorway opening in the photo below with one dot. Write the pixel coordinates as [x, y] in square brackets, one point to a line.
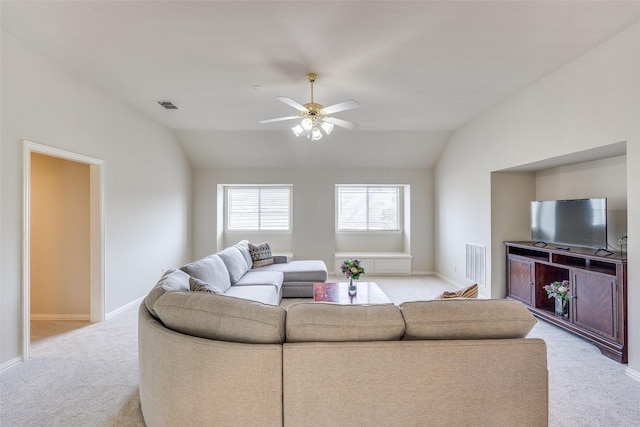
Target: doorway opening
[69, 255]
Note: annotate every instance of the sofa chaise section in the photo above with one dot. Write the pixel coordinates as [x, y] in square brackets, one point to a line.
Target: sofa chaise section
[299, 276]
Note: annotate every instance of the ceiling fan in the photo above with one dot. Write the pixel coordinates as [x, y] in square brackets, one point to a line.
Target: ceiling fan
[316, 119]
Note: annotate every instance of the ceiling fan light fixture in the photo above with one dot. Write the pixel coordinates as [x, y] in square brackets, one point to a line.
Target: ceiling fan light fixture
[306, 124]
[315, 119]
[327, 127]
[297, 130]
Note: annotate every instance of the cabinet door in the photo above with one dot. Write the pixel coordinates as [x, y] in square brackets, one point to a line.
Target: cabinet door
[595, 303]
[520, 280]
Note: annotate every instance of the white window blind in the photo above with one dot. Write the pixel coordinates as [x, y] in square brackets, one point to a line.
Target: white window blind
[258, 208]
[368, 208]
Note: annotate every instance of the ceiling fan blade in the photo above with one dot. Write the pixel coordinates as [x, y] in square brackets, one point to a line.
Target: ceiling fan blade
[342, 106]
[279, 119]
[294, 104]
[342, 123]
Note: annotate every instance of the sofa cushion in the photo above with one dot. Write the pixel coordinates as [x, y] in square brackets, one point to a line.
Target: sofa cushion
[243, 247]
[171, 280]
[280, 258]
[300, 270]
[468, 292]
[176, 280]
[235, 262]
[466, 319]
[197, 285]
[309, 322]
[260, 293]
[257, 277]
[261, 254]
[223, 318]
[211, 270]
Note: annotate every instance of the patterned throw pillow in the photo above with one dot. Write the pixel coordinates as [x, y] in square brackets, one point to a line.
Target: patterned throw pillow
[198, 285]
[261, 254]
[468, 292]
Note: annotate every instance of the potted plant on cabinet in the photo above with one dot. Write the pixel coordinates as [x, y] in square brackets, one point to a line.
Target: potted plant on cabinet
[561, 291]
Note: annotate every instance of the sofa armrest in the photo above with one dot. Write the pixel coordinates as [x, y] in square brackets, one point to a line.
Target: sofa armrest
[280, 259]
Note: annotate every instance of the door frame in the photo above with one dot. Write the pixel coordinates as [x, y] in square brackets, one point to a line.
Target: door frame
[96, 233]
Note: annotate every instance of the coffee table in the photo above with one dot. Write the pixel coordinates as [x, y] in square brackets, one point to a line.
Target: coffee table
[338, 292]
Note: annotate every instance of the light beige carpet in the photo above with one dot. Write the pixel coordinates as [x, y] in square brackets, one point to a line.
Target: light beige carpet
[86, 374]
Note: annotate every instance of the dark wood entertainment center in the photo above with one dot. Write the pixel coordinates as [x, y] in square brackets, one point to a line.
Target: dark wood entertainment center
[598, 305]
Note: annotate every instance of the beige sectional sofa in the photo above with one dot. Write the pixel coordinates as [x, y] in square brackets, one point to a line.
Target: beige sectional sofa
[215, 360]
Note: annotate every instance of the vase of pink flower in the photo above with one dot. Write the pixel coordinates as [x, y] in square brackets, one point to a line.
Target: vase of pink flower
[352, 270]
[561, 291]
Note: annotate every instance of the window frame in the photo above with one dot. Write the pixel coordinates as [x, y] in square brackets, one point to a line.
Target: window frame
[259, 187]
[399, 208]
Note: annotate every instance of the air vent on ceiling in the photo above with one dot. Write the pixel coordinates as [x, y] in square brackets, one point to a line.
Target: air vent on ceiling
[168, 105]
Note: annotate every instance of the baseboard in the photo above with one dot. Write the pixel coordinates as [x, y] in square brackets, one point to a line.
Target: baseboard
[78, 317]
[10, 364]
[632, 373]
[125, 307]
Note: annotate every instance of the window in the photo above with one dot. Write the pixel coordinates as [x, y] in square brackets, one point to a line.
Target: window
[258, 208]
[368, 208]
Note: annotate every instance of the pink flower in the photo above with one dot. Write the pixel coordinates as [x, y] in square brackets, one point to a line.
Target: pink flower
[558, 289]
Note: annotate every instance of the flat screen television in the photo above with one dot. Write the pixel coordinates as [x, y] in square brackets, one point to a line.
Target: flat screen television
[577, 222]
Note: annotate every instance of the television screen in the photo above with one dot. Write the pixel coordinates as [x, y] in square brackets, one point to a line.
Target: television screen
[578, 222]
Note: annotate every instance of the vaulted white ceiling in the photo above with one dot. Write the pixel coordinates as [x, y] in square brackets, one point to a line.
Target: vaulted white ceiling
[420, 69]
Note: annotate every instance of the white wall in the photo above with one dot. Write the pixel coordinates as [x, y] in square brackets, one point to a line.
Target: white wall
[511, 196]
[592, 102]
[59, 233]
[148, 179]
[313, 234]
